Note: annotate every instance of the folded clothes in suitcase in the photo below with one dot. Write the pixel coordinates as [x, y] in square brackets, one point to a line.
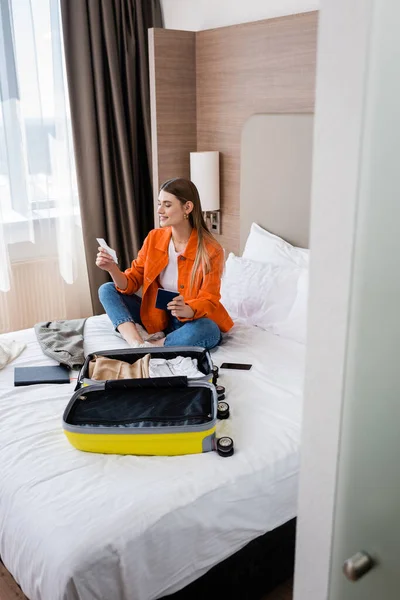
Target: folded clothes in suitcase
[132, 355]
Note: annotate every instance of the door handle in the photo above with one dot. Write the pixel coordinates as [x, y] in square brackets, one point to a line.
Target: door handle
[357, 565]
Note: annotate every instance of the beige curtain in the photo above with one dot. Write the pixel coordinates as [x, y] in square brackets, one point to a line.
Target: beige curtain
[42, 260]
[106, 50]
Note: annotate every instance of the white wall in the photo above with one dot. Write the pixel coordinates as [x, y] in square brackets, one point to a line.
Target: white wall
[194, 15]
[343, 39]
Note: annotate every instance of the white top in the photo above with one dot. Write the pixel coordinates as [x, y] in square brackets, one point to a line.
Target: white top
[169, 276]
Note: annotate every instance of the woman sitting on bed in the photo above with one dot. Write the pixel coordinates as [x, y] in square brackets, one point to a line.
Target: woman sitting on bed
[182, 256]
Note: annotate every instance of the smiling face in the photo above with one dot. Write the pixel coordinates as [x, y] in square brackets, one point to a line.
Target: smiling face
[171, 211]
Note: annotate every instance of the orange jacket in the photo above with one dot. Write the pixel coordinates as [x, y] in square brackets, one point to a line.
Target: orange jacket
[203, 298]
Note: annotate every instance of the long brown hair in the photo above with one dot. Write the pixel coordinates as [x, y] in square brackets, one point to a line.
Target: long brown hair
[186, 191]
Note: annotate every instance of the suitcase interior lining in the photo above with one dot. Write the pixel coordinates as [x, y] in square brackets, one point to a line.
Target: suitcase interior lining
[143, 407]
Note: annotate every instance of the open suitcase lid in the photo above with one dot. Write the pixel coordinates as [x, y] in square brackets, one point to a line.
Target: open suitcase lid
[165, 403]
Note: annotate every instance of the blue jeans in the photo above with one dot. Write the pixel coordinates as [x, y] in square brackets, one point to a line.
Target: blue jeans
[123, 308]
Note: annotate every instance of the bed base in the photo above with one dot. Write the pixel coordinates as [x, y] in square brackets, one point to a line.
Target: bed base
[250, 573]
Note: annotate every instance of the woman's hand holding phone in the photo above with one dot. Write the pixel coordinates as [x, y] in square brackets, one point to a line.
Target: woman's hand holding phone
[178, 308]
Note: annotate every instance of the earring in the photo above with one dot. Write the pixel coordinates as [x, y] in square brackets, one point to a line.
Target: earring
[185, 216]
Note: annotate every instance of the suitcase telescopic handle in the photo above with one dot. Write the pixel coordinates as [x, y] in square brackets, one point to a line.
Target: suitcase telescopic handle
[157, 382]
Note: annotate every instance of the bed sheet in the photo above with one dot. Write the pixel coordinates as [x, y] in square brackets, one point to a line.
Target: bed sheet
[85, 526]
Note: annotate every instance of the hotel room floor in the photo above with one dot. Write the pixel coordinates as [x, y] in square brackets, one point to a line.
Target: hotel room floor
[10, 591]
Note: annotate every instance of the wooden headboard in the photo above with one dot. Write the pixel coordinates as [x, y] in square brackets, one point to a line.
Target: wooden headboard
[205, 85]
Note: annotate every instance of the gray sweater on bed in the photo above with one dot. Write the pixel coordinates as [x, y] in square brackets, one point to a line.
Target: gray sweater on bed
[63, 341]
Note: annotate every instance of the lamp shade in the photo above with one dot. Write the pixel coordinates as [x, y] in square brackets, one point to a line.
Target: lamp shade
[204, 172]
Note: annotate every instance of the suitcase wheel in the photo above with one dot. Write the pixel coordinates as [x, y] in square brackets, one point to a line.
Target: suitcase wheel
[225, 446]
[220, 391]
[215, 373]
[222, 410]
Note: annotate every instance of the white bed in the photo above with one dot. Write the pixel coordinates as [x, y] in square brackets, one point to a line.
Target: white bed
[84, 526]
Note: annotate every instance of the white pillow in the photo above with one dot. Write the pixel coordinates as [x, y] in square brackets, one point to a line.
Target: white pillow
[294, 327]
[265, 247]
[257, 293]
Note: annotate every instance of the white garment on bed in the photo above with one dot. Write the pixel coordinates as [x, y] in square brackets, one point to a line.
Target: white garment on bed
[9, 350]
[169, 276]
[161, 367]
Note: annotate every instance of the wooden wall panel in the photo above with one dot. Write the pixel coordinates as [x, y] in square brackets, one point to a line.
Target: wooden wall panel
[262, 67]
[172, 57]
[206, 84]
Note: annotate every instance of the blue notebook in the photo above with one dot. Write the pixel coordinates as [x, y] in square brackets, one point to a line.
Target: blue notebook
[34, 375]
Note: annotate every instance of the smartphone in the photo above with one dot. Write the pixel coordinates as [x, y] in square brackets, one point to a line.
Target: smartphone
[239, 366]
[164, 297]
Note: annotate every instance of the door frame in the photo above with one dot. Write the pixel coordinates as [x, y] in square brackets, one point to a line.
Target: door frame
[342, 63]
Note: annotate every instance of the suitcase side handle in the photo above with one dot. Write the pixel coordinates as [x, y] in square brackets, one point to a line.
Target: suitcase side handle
[157, 382]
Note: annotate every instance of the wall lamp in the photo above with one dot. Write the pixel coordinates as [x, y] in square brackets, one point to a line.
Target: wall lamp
[204, 172]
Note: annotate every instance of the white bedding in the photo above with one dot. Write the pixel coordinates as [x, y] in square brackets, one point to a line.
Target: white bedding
[83, 526]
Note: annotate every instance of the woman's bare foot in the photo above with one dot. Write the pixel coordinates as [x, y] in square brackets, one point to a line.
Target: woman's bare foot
[154, 337]
[149, 337]
[130, 333]
[157, 342]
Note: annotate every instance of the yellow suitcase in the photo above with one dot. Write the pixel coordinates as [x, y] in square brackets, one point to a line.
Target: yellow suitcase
[161, 416]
